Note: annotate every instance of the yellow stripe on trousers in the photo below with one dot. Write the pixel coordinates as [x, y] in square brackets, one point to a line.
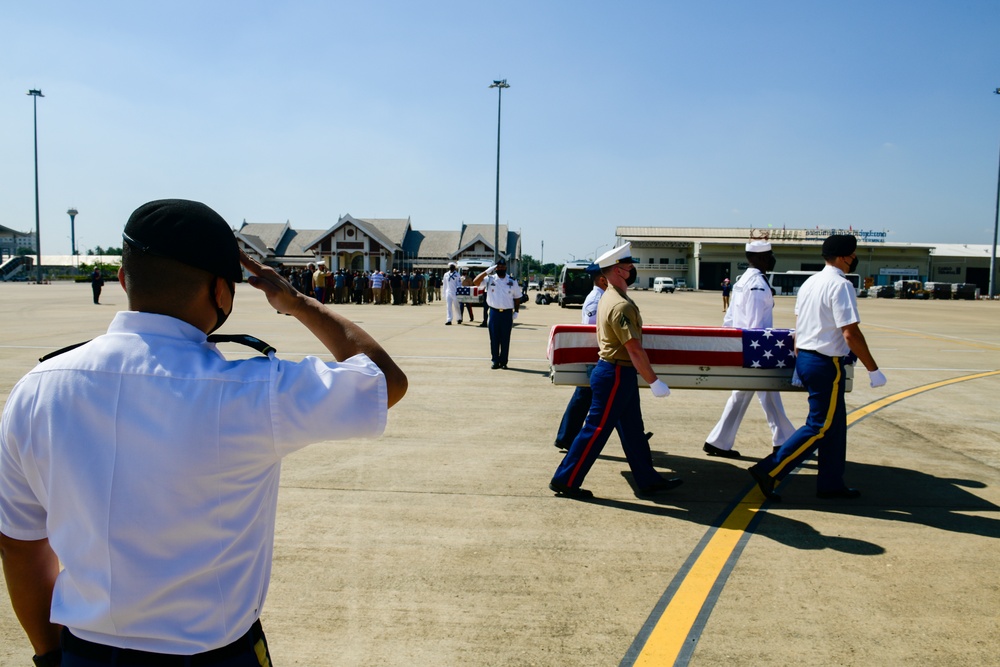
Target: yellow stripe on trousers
[834, 399]
[673, 629]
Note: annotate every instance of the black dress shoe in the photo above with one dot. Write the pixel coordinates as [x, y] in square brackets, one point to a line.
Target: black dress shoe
[661, 486]
[649, 436]
[448, 324]
[570, 491]
[561, 447]
[712, 450]
[495, 366]
[765, 483]
[844, 493]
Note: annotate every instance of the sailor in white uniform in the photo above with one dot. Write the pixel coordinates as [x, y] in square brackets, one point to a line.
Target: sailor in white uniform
[450, 282]
[751, 307]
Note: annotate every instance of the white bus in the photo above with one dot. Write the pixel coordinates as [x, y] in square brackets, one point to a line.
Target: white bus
[787, 283]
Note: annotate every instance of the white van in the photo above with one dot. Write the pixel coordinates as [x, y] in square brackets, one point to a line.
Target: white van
[663, 285]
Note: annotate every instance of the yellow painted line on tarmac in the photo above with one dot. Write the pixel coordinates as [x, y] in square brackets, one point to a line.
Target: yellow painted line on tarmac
[670, 634]
[875, 406]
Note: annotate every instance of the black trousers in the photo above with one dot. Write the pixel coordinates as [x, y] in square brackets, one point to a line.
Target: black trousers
[250, 650]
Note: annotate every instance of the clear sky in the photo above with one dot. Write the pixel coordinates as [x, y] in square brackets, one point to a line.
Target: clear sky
[876, 114]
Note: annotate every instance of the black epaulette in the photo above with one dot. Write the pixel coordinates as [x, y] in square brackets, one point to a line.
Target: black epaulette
[65, 349]
[242, 339]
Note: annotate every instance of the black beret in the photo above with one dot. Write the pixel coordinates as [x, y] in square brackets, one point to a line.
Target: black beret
[186, 231]
[840, 245]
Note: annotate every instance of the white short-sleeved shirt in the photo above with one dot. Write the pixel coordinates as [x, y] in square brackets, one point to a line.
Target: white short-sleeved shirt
[752, 302]
[589, 313]
[501, 292]
[451, 281]
[151, 463]
[826, 303]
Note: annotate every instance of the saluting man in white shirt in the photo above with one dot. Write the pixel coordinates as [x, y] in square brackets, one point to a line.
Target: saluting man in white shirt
[139, 471]
[751, 307]
[503, 297]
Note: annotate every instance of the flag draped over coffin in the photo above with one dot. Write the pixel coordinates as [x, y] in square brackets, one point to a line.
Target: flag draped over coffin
[683, 346]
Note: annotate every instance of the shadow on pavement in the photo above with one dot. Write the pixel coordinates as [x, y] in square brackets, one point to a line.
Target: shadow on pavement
[889, 494]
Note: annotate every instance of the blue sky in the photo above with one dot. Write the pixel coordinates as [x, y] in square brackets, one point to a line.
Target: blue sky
[878, 115]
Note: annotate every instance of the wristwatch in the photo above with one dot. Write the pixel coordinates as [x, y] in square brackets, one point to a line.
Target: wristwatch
[50, 659]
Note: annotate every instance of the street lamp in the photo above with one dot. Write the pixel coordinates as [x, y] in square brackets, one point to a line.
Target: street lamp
[499, 85]
[603, 245]
[38, 231]
[996, 223]
[72, 230]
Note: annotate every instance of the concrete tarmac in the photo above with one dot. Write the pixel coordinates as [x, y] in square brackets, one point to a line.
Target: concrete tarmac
[440, 543]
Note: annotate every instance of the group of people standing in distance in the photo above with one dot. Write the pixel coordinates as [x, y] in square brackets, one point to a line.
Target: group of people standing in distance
[827, 335]
[365, 287]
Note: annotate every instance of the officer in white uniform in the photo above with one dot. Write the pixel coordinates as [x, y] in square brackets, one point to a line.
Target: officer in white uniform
[503, 298]
[450, 283]
[139, 471]
[751, 307]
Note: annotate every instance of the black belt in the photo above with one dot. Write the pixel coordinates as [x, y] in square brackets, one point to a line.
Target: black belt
[501, 310]
[125, 656]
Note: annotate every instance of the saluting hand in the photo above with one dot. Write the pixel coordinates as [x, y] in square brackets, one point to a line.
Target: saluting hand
[279, 292]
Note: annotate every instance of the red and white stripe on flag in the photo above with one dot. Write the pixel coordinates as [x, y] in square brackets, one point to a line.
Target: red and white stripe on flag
[674, 346]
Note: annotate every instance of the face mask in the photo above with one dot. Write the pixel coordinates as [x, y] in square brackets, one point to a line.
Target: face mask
[220, 315]
[633, 275]
[854, 265]
[501, 272]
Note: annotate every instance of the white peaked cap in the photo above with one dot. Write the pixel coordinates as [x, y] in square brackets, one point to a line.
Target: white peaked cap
[622, 253]
[758, 246]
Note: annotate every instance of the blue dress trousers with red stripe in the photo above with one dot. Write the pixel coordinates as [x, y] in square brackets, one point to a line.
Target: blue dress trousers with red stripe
[615, 405]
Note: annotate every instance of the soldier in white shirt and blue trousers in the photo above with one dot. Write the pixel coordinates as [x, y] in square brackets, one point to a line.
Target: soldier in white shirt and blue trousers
[579, 403]
[827, 329]
[503, 298]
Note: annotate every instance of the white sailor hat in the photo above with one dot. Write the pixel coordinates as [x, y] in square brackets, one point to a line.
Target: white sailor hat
[758, 246]
[620, 255]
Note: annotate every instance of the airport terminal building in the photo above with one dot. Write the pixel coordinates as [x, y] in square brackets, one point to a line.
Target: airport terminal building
[704, 256]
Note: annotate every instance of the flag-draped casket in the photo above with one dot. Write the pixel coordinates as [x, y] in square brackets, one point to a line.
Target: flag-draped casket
[470, 293]
[689, 357]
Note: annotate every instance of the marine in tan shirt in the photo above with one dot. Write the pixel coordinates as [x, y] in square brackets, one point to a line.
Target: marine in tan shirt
[615, 388]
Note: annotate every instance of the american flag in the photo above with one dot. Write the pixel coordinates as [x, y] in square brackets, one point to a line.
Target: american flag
[468, 290]
[683, 346]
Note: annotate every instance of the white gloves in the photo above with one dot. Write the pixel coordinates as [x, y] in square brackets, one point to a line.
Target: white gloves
[877, 378]
[796, 380]
[515, 314]
[660, 389]
[490, 271]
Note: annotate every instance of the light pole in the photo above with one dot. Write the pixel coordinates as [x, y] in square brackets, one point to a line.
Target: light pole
[603, 245]
[996, 224]
[499, 85]
[38, 231]
[72, 230]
